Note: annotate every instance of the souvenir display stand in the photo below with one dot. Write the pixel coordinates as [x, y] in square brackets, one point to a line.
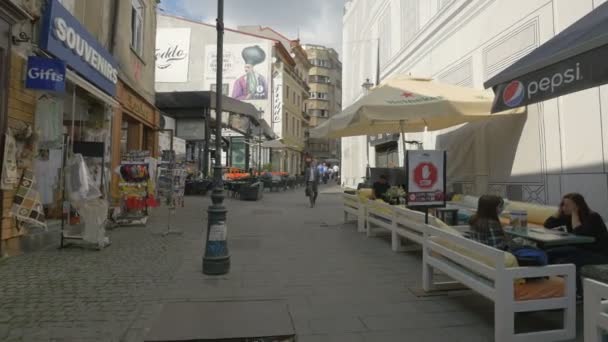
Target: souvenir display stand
[137, 188]
[171, 186]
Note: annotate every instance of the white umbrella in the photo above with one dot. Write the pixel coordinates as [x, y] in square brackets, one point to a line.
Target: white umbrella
[404, 104]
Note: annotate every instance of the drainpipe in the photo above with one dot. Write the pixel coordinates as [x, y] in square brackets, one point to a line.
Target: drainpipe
[113, 21]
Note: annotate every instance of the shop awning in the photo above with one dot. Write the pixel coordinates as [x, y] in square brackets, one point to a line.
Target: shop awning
[264, 129]
[572, 61]
[190, 104]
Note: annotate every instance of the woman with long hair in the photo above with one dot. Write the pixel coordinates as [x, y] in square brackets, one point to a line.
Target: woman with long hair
[574, 213]
[485, 224]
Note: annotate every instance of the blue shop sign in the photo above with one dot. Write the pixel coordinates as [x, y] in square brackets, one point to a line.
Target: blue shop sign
[45, 74]
[66, 38]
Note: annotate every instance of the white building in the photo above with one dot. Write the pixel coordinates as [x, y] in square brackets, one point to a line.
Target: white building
[559, 146]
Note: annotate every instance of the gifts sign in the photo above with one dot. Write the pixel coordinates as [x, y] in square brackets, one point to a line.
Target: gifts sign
[426, 183]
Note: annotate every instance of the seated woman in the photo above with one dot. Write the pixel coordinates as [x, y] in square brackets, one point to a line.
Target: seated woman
[485, 224]
[578, 218]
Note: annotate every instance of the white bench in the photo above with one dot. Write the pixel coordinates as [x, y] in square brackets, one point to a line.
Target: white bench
[355, 206]
[403, 224]
[596, 310]
[450, 253]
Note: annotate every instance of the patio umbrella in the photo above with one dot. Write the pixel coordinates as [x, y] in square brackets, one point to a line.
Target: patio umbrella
[404, 104]
[572, 61]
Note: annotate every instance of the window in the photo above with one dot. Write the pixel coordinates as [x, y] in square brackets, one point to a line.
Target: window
[299, 101]
[318, 96]
[286, 124]
[319, 79]
[409, 20]
[286, 92]
[384, 32]
[293, 126]
[293, 99]
[324, 63]
[137, 26]
[323, 113]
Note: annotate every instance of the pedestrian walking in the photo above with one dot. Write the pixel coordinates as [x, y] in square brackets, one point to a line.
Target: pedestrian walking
[313, 176]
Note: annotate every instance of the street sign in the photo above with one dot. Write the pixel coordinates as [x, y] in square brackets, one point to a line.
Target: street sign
[45, 74]
[426, 183]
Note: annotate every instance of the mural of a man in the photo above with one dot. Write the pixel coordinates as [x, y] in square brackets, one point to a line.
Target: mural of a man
[251, 86]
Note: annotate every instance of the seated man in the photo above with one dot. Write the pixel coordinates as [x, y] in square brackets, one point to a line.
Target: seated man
[380, 187]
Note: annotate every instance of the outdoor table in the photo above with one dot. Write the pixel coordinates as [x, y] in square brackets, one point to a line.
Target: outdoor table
[595, 272]
[547, 238]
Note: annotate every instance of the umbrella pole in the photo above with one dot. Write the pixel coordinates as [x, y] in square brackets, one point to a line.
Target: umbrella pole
[402, 139]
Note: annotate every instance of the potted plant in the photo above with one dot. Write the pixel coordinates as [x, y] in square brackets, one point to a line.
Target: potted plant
[394, 194]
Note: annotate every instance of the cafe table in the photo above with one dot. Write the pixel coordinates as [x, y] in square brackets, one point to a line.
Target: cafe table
[549, 238]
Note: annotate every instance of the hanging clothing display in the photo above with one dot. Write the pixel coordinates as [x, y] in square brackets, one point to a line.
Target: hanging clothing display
[80, 185]
[26, 203]
[46, 170]
[94, 214]
[49, 122]
[10, 174]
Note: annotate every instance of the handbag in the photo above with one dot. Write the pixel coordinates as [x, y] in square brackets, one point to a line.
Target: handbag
[530, 256]
[307, 191]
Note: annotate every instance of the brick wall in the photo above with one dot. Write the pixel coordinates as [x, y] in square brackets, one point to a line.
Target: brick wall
[21, 108]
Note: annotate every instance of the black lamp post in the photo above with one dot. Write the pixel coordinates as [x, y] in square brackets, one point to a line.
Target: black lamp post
[216, 260]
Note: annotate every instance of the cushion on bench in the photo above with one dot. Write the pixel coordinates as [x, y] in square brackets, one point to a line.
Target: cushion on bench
[379, 206]
[537, 214]
[365, 193]
[510, 260]
[554, 287]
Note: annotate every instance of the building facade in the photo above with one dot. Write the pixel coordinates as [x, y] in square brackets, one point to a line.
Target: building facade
[325, 81]
[186, 64]
[117, 78]
[558, 146]
[290, 75]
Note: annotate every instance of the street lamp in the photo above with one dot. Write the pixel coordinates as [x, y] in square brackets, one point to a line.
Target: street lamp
[367, 85]
[216, 260]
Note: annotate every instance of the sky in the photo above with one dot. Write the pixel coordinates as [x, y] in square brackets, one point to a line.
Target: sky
[317, 21]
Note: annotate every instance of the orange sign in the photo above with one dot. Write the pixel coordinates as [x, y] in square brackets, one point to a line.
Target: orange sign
[134, 104]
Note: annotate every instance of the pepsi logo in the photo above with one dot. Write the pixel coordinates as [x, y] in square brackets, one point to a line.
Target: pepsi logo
[513, 94]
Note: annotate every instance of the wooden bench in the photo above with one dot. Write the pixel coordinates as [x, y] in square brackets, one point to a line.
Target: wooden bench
[595, 289]
[405, 225]
[459, 258]
[595, 310]
[355, 206]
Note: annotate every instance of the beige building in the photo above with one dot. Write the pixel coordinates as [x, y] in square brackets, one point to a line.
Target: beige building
[325, 82]
[290, 74]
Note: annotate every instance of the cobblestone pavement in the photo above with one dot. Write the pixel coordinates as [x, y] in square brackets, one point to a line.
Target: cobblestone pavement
[340, 285]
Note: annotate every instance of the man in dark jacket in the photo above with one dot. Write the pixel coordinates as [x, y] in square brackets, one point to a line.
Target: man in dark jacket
[312, 177]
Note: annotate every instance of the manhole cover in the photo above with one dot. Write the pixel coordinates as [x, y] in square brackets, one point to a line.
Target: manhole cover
[218, 321]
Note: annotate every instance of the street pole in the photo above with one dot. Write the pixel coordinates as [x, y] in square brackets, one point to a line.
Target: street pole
[216, 260]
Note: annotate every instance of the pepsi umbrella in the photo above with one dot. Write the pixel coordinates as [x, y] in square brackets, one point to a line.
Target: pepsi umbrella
[572, 61]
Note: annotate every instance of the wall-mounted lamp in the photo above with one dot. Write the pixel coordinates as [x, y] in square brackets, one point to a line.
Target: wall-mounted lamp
[23, 38]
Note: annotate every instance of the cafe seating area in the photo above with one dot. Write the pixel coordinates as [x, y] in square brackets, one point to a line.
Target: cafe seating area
[492, 273]
[245, 186]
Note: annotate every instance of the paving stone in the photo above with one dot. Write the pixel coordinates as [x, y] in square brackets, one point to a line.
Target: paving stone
[340, 285]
